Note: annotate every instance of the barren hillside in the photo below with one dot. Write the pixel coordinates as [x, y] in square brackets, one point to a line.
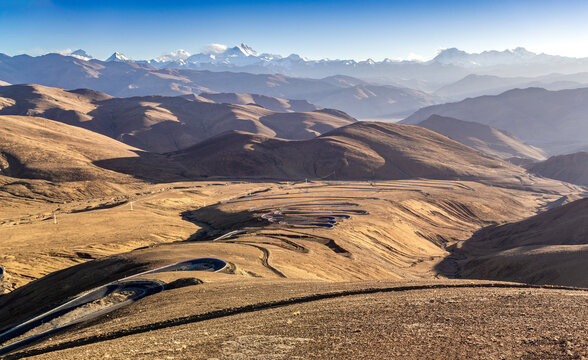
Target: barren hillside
[485, 138]
[159, 123]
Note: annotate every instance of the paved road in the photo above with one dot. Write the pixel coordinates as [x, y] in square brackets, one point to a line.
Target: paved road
[325, 215]
[138, 288]
[200, 264]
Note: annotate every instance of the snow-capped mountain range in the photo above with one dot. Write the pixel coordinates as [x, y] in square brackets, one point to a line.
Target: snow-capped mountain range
[518, 55]
[240, 55]
[365, 89]
[448, 66]
[243, 55]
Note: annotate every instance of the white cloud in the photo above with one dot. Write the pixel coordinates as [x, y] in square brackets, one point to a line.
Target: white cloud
[63, 52]
[415, 57]
[410, 57]
[214, 49]
[174, 56]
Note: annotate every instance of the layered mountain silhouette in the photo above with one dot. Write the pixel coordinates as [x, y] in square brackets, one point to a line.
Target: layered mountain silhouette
[477, 85]
[162, 124]
[369, 101]
[448, 62]
[551, 120]
[572, 168]
[125, 78]
[483, 138]
[511, 67]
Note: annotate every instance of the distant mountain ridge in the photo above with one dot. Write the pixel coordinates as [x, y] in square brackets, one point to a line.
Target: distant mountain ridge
[380, 90]
[518, 55]
[572, 168]
[450, 65]
[551, 120]
[477, 85]
[482, 137]
[123, 78]
[244, 55]
[268, 102]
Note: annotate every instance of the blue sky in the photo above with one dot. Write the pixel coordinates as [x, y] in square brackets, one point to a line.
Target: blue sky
[315, 29]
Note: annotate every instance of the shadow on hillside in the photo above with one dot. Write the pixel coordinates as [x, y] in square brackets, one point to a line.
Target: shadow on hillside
[151, 167]
[449, 266]
[214, 222]
[51, 290]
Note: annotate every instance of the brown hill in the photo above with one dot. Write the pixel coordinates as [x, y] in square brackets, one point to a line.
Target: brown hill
[551, 120]
[37, 148]
[482, 137]
[268, 102]
[317, 320]
[44, 160]
[364, 150]
[572, 168]
[159, 123]
[549, 248]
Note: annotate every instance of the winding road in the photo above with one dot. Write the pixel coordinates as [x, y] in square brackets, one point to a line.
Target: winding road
[120, 293]
[325, 215]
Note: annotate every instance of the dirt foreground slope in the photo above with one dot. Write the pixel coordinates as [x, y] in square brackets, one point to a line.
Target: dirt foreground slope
[280, 319]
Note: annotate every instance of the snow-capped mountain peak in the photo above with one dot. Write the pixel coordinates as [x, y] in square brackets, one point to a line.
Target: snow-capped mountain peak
[118, 57]
[219, 57]
[451, 55]
[458, 57]
[239, 50]
[246, 50]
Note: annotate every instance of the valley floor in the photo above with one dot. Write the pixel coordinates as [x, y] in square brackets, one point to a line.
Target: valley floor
[315, 269]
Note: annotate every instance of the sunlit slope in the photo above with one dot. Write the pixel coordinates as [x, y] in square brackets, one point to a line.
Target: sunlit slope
[160, 123]
[365, 150]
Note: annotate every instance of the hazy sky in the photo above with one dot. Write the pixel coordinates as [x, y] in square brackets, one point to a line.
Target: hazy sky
[315, 29]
